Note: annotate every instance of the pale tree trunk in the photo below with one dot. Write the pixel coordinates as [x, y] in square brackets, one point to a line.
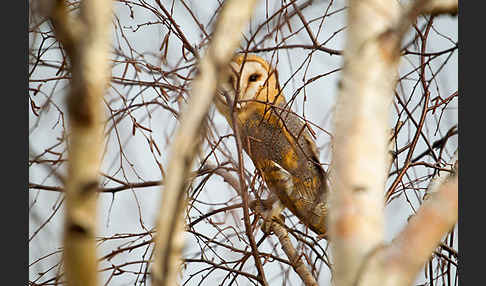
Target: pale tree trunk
[356, 221]
[86, 39]
[399, 262]
[169, 242]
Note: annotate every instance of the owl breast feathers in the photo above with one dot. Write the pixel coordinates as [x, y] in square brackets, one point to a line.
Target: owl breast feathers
[277, 140]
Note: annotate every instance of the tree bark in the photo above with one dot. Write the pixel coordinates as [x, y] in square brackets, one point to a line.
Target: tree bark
[86, 40]
[371, 59]
[169, 239]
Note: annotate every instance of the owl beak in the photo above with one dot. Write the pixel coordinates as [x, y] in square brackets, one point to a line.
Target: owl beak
[225, 98]
[220, 95]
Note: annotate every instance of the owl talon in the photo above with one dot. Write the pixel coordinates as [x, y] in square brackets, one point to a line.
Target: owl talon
[267, 223]
[266, 227]
[271, 215]
[321, 236]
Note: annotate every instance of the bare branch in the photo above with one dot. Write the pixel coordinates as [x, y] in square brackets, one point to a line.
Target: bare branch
[294, 258]
[435, 7]
[419, 7]
[168, 243]
[399, 262]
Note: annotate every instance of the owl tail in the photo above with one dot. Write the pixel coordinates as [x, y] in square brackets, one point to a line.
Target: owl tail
[312, 214]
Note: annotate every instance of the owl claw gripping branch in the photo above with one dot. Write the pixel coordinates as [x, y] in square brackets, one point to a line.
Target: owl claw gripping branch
[277, 141]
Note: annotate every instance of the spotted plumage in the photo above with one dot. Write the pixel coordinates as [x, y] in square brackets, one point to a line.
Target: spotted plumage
[276, 139]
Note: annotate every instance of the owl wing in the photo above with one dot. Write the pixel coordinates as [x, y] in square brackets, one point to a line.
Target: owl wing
[300, 140]
[281, 182]
[281, 147]
[302, 189]
[312, 213]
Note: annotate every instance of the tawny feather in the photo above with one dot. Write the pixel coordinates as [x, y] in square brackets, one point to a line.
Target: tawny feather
[276, 139]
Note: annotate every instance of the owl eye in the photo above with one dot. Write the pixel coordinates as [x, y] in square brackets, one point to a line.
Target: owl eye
[253, 77]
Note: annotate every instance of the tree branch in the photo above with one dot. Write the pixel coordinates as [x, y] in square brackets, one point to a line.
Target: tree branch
[399, 263]
[169, 242]
[435, 7]
[294, 258]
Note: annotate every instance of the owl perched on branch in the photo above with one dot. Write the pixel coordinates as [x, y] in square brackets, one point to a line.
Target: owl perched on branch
[278, 142]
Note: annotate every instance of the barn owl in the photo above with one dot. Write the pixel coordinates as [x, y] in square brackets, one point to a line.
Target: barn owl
[277, 141]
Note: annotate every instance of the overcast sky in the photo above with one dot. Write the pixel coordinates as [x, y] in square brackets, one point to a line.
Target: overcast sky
[135, 211]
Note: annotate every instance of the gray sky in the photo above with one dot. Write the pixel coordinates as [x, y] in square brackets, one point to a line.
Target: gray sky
[135, 211]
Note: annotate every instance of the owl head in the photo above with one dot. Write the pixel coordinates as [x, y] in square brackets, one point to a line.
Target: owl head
[251, 82]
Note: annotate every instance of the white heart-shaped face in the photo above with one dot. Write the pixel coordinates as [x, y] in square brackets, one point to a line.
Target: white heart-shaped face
[252, 77]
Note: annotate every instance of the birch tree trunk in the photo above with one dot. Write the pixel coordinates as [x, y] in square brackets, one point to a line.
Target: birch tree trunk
[170, 225]
[371, 58]
[86, 39]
